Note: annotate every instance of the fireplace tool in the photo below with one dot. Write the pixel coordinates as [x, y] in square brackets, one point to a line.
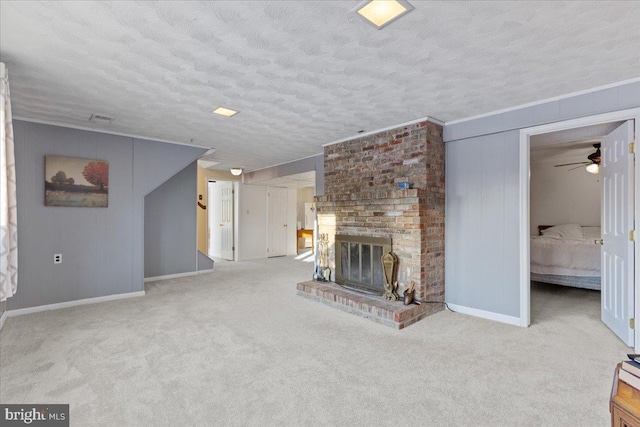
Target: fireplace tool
[323, 272]
[390, 267]
[409, 293]
[326, 273]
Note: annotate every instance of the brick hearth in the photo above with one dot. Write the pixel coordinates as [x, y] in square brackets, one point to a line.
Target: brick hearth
[392, 314]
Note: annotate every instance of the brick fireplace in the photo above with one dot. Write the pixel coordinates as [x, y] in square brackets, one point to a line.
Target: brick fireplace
[362, 198]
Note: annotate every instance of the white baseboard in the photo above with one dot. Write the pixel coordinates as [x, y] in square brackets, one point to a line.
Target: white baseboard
[172, 276]
[503, 318]
[2, 319]
[66, 304]
[205, 271]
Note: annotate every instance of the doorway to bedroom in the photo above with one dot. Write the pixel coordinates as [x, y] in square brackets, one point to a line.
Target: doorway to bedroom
[581, 211]
[565, 220]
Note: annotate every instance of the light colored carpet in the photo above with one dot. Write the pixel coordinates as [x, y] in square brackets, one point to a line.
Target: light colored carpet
[238, 347]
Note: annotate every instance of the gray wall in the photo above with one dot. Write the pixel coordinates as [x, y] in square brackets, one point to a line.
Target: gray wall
[170, 225]
[102, 248]
[482, 223]
[315, 163]
[204, 262]
[482, 209]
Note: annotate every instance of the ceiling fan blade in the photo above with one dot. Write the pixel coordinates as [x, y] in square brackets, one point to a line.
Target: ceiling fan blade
[576, 163]
[577, 167]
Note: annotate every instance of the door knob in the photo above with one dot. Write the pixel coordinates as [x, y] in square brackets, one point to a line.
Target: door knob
[221, 225]
[284, 225]
[599, 242]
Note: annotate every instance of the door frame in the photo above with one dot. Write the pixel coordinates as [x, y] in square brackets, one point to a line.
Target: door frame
[525, 172]
[235, 226]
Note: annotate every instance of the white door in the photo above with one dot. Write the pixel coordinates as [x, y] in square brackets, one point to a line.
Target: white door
[617, 222]
[277, 222]
[215, 210]
[226, 220]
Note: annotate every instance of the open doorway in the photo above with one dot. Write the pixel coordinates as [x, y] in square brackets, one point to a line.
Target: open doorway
[291, 219]
[581, 254]
[221, 219]
[565, 223]
[306, 219]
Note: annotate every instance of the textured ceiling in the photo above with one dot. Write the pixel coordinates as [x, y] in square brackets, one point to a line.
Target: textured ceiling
[300, 180]
[301, 73]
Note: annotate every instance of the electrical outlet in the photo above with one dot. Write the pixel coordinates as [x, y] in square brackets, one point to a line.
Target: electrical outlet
[57, 258]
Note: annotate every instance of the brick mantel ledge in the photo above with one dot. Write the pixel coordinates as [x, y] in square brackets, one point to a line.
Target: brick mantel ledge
[412, 193]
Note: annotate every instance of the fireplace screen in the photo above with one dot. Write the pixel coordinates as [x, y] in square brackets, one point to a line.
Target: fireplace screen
[358, 262]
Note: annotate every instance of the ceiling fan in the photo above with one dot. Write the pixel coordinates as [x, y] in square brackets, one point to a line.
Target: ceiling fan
[593, 165]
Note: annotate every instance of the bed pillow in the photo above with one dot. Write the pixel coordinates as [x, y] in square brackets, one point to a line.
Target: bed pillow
[564, 232]
[592, 232]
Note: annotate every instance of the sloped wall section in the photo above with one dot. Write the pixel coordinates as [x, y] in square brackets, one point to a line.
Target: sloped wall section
[102, 248]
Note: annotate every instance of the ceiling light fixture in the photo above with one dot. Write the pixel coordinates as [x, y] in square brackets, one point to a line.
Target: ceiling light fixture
[381, 13]
[227, 112]
[101, 118]
[593, 168]
[207, 164]
[235, 171]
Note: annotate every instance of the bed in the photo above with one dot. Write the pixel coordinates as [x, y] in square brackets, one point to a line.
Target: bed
[569, 257]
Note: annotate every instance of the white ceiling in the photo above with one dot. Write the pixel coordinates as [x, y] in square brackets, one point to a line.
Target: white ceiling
[302, 73]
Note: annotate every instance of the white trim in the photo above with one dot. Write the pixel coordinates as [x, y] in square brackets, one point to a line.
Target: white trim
[2, 319]
[128, 135]
[597, 119]
[210, 270]
[503, 318]
[636, 212]
[170, 276]
[373, 132]
[544, 101]
[67, 304]
[525, 288]
[525, 134]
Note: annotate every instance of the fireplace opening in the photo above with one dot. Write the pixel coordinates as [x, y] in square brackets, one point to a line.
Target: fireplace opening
[359, 262]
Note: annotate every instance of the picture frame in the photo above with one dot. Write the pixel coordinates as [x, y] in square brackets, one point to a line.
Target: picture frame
[76, 182]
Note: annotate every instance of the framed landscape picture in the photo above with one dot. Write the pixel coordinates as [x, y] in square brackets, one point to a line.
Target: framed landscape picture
[74, 182]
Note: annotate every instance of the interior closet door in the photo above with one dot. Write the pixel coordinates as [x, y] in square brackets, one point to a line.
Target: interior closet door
[226, 220]
[617, 252]
[214, 216]
[277, 221]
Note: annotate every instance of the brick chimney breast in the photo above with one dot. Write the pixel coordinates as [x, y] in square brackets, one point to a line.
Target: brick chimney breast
[362, 198]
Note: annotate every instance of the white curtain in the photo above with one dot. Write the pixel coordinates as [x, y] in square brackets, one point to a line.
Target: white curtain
[8, 212]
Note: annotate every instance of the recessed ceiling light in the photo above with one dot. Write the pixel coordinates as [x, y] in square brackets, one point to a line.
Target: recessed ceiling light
[227, 112]
[100, 118]
[207, 164]
[382, 12]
